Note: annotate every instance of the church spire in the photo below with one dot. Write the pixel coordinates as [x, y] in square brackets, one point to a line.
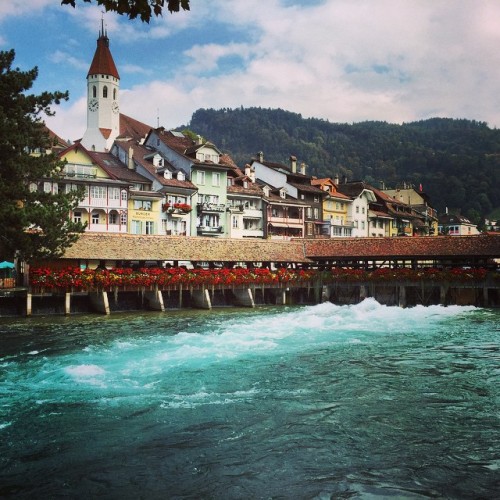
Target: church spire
[103, 63]
[103, 106]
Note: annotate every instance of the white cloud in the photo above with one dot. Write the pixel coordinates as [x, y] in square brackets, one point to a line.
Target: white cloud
[60, 57]
[341, 60]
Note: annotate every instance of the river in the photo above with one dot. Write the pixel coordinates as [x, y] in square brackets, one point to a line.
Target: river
[315, 402]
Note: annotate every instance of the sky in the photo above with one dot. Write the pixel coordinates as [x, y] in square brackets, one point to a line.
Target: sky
[344, 61]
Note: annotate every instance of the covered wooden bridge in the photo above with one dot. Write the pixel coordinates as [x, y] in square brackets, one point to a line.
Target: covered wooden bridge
[111, 250]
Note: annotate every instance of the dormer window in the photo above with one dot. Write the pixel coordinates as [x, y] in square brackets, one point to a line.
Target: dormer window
[181, 176]
[266, 190]
[282, 193]
[167, 174]
[157, 161]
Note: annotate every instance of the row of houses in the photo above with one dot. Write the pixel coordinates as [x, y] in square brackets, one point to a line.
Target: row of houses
[155, 181]
[138, 179]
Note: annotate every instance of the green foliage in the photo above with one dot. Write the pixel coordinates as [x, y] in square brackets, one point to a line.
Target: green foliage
[35, 224]
[144, 9]
[456, 161]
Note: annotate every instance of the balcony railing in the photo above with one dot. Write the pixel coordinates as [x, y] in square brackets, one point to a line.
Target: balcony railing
[211, 207]
[210, 229]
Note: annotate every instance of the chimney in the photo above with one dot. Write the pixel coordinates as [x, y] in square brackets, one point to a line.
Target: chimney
[336, 179]
[252, 174]
[247, 170]
[260, 156]
[199, 140]
[130, 162]
[303, 168]
[293, 164]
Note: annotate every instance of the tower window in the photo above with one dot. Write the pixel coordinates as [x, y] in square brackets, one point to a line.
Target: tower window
[94, 91]
[114, 94]
[105, 91]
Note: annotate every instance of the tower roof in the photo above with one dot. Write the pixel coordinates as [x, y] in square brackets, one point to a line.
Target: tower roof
[103, 63]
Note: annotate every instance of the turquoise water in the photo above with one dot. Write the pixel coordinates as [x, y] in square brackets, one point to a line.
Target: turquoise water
[325, 401]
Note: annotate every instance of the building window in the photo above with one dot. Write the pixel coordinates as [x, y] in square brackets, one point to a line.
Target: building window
[149, 227]
[235, 222]
[200, 177]
[98, 192]
[77, 216]
[363, 210]
[105, 91]
[215, 179]
[136, 227]
[123, 218]
[95, 217]
[114, 193]
[362, 224]
[113, 218]
[124, 195]
[142, 205]
[357, 210]
[316, 213]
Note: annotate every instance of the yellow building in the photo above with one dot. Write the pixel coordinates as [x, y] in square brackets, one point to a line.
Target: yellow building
[116, 199]
[335, 208]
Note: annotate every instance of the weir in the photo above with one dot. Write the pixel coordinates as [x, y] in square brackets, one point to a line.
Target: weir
[401, 294]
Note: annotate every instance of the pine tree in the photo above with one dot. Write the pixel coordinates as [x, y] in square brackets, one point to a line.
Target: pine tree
[34, 224]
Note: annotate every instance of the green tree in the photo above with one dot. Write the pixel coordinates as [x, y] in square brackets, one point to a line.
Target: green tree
[144, 9]
[35, 223]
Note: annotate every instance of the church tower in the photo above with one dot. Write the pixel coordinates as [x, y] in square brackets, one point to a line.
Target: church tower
[103, 85]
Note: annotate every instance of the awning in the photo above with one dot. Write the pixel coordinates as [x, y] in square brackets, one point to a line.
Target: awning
[6, 265]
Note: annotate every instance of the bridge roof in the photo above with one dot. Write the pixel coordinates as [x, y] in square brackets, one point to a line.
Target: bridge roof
[91, 246]
[480, 246]
[96, 246]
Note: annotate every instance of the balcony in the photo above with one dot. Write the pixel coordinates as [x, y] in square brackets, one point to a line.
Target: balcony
[210, 207]
[80, 171]
[209, 230]
[340, 223]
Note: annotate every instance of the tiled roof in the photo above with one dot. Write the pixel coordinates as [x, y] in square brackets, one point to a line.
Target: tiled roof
[426, 246]
[186, 147]
[132, 129]
[138, 247]
[115, 168]
[103, 63]
[252, 189]
[353, 189]
[139, 154]
[308, 188]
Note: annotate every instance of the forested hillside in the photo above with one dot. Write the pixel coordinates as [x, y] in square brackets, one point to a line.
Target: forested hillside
[456, 161]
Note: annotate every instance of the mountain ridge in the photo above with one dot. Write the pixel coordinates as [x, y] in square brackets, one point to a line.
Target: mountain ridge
[457, 161]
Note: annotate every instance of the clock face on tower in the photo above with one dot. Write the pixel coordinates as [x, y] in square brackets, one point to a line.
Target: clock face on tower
[115, 107]
[93, 105]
